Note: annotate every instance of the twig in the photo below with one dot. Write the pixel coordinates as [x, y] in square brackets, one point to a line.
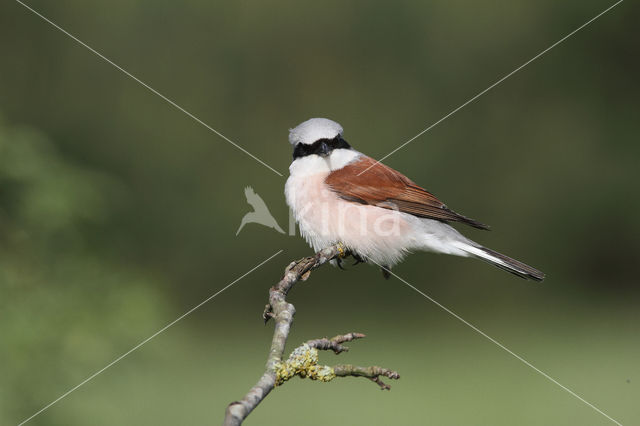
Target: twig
[372, 373]
[303, 361]
[335, 343]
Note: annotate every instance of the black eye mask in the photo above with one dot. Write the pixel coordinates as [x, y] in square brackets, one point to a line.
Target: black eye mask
[320, 147]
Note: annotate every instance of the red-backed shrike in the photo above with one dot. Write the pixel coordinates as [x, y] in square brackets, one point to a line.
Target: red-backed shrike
[339, 195]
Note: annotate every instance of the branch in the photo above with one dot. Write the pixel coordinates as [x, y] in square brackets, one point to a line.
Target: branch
[303, 361]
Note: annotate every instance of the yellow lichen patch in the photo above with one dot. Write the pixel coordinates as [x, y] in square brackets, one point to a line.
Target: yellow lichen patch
[324, 373]
[303, 362]
[341, 250]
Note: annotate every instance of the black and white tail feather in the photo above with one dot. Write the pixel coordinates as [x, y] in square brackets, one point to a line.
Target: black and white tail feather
[502, 261]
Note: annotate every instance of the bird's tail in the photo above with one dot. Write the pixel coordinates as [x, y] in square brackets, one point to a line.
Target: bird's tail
[501, 261]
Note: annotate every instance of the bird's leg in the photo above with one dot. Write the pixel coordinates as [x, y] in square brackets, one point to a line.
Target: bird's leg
[357, 258]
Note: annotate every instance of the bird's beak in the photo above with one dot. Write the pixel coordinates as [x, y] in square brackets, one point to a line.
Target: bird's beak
[324, 149]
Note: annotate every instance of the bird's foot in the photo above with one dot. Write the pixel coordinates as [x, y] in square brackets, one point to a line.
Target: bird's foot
[342, 251]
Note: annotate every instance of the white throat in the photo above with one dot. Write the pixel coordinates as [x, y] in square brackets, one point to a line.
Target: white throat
[313, 164]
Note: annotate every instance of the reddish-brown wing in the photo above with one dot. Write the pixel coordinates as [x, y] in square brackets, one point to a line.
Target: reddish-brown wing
[384, 187]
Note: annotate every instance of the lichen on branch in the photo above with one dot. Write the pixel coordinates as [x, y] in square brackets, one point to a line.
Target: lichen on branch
[303, 362]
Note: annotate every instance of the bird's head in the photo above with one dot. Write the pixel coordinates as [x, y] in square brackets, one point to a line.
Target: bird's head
[316, 136]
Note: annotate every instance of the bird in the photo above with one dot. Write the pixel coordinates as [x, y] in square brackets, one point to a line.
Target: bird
[261, 213]
[339, 195]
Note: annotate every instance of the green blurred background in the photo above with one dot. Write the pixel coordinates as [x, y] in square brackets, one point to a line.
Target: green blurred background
[118, 213]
